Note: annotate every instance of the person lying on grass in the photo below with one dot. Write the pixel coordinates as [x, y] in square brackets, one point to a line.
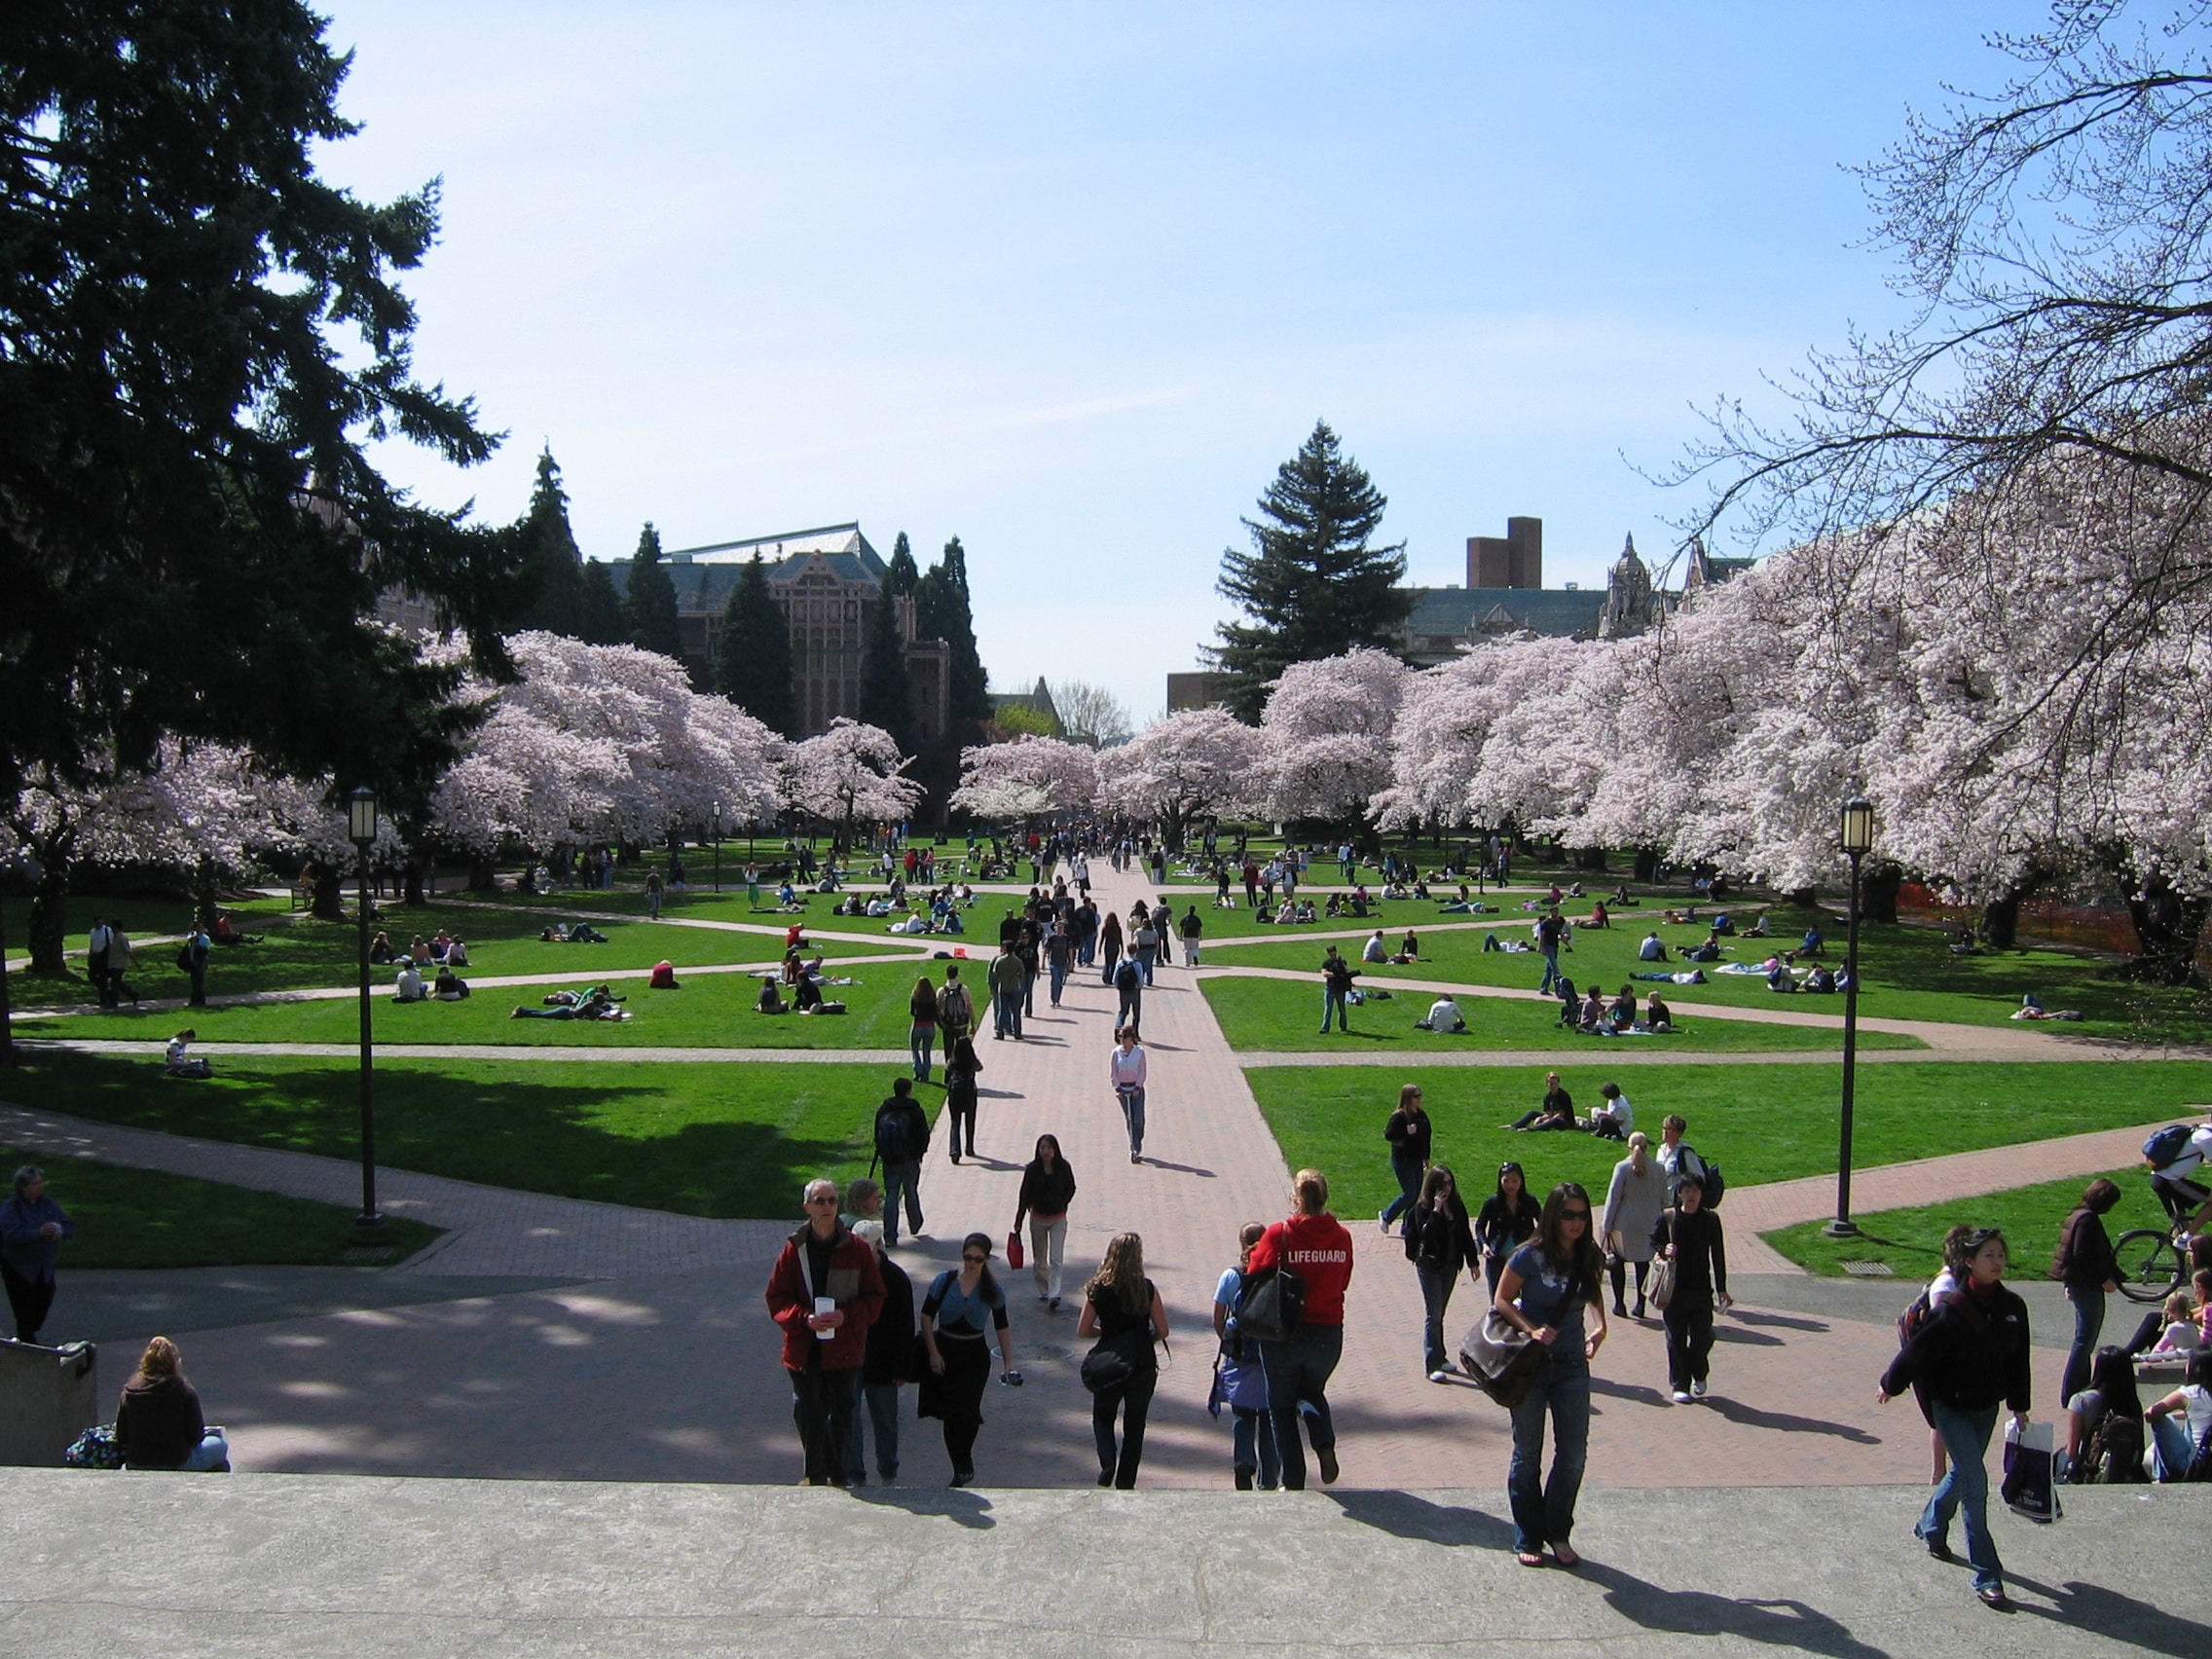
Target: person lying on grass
[599, 1003]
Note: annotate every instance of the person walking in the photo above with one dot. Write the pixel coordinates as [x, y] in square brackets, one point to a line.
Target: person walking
[1009, 980]
[752, 886]
[1123, 1309]
[1109, 946]
[955, 1008]
[32, 1227]
[159, 1423]
[921, 1027]
[902, 1140]
[884, 1367]
[1144, 941]
[1674, 1155]
[1312, 1245]
[1508, 1219]
[197, 947]
[1972, 1352]
[1194, 935]
[1549, 932]
[1047, 1187]
[1128, 984]
[1125, 1074]
[1439, 1242]
[1545, 1291]
[1689, 1235]
[95, 959]
[2084, 1263]
[1410, 1135]
[1335, 987]
[824, 1292]
[960, 1097]
[653, 896]
[1240, 1381]
[963, 1310]
[1633, 1206]
[1059, 958]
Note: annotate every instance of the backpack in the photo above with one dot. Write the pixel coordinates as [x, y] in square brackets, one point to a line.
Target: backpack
[1913, 1317]
[2168, 1144]
[893, 1137]
[184, 958]
[1271, 1304]
[2113, 1454]
[1715, 1184]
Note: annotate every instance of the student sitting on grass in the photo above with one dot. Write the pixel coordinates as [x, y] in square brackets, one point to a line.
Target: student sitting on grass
[177, 1062]
[1779, 978]
[1653, 948]
[1593, 1016]
[1444, 1017]
[410, 986]
[1620, 1013]
[1821, 981]
[1658, 1017]
[664, 977]
[771, 1000]
[449, 986]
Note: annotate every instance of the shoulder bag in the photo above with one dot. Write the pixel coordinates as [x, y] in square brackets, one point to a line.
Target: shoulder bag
[1664, 1271]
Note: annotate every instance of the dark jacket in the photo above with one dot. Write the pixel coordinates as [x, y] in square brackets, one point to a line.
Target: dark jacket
[959, 1069]
[1410, 1132]
[30, 1256]
[854, 1281]
[1972, 1352]
[2084, 1259]
[1337, 974]
[1500, 1231]
[158, 1425]
[902, 1130]
[921, 1006]
[890, 1353]
[1439, 1238]
[1044, 1192]
[1701, 1257]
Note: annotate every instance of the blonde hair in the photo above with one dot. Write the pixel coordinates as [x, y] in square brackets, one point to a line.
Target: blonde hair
[2179, 1307]
[1309, 1192]
[1121, 1274]
[159, 1362]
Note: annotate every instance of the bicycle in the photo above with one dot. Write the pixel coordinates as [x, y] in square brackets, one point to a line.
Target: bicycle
[2154, 1262]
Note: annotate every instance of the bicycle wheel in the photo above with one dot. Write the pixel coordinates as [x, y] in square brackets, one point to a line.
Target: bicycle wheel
[2151, 1266]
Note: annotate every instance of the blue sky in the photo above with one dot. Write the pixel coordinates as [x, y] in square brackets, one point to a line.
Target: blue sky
[1071, 282]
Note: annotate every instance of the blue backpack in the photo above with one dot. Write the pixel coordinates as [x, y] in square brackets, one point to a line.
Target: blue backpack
[2168, 1144]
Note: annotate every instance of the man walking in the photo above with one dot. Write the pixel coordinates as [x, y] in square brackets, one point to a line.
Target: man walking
[955, 1008]
[95, 959]
[1194, 930]
[825, 1291]
[1129, 979]
[197, 947]
[1008, 980]
[1335, 987]
[1548, 935]
[902, 1137]
[1059, 958]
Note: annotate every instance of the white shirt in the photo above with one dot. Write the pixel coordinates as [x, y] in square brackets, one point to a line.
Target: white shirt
[1125, 1070]
[1619, 1109]
[1444, 1013]
[2192, 1155]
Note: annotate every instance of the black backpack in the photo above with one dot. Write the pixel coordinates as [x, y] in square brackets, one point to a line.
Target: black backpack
[1272, 1306]
[893, 1135]
[2113, 1454]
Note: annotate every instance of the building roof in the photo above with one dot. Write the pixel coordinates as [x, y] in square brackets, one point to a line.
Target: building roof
[1462, 613]
[844, 547]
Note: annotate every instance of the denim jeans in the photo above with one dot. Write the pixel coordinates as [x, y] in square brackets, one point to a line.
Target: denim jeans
[1132, 1011]
[882, 1416]
[1299, 1368]
[1543, 1509]
[921, 1041]
[906, 1176]
[2088, 1324]
[1133, 1399]
[2169, 1439]
[1333, 1002]
[1965, 1485]
[1060, 972]
[1107, 965]
[1407, 1168]
[1005, 1013]
[1147, 955]
[1551, 970]
[212, 1452]
[1132, 1114]
[1436, 1287]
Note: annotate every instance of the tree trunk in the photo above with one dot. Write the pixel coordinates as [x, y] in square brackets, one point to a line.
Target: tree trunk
[1878, 893]
[1647, 864]
[1805, 898]
[203, 892]
[2168, 925]
[6, 1007]
[1592, 857]
[329, 894]
[411, 878]
[483, 877]
[2001, 922]
[49, 925]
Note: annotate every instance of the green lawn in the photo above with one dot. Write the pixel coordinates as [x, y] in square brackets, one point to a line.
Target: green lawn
[1761, 1123]
[1909, 972]
[1278, 1015]
[144, 1218]
[716, 1140]
[1911, 1240]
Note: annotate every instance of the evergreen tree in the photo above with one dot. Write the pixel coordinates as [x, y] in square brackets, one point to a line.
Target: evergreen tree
[904, 575]
[552, 559]
[649, 604]
[754, 667]
[885, 699]
[1311, 585]
[599, 608]
[943, 613]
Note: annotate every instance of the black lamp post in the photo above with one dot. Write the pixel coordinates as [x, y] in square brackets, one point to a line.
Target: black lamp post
[718, 846]
[361, 831]
[1856, 837]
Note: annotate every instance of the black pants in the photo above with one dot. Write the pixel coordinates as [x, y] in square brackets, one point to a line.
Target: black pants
[1620, 1279]
[1689, 1343]
[28, 1299]
[1133, 1399]
[822, 1405]
[967, 1369]
[962, 1113]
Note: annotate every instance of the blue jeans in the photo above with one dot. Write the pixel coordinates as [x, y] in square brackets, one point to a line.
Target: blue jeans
[1146, 956]
[898, 1177]
[882, 1415]
[1407, 1168]
[921, 1039]
[1132, 1011]
[1005, 1013]
[1059, 981]
[1132, 1114]
[1253, 1446]
[1299, 1368]
[2169, 1439]
[1551, 970]
[1543, 1510]
[1965, 1485]
[2088, 1324]
[1106, 968]
[1333, 1002]
[1436, 1287]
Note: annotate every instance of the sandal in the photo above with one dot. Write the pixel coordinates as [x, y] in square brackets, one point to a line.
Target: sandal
[1529, 1558]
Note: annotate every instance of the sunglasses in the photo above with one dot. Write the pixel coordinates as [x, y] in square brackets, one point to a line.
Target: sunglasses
[975, 1261]
[823, 1199]
[1574, 1215]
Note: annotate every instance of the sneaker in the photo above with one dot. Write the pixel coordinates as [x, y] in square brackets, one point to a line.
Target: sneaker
[1994, 1598]
[1697, 1390]
[1440, 1376]
[1135, 1158]
[1382, 1218]
[1682, 1396]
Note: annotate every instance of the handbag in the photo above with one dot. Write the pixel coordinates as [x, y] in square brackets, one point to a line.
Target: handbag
[1501, 1357]
[1661, 1289]
[1013, 1255]
[2029, 1489]
[1114, 1361]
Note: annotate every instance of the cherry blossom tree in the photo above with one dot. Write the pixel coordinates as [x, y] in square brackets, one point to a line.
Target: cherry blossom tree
[1026, 777]
[851, 774]
[1325, 737]
[1183, 767]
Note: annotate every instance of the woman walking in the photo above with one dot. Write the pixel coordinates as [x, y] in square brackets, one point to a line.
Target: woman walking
[1239, 1382]
[1545, 1290]
[1689, 1235]
[921, 1032]
[1411, 1137]
[1109, 946]
[1508, 1220]
[2086, 1267]
[1123, 1309]
[1439, 1242]
[1314, 1245]
[963, 1309]
[1633, 1202]
[1972, 1352]
[961, 1064]
[1047, 1187]
[1125, 1073]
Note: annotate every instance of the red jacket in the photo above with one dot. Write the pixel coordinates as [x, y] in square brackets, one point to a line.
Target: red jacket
[1318, 1250]
[854, 1282]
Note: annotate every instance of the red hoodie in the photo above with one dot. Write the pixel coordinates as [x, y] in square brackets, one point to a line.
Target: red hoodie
[1318, 1250]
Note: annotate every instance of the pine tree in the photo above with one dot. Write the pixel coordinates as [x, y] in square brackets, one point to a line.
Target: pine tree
[649, 604]
[1311, 585]
[599, 608]
[943, 613]
[550, 554]
[885, 699]
[755, 667]
[904, 575]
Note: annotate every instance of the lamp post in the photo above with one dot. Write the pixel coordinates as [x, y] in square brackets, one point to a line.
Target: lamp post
[361, 831]
[718, 846]
[1856, 837]
[1482, 859]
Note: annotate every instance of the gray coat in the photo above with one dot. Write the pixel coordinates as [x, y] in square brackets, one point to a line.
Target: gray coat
[1633, 1207]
